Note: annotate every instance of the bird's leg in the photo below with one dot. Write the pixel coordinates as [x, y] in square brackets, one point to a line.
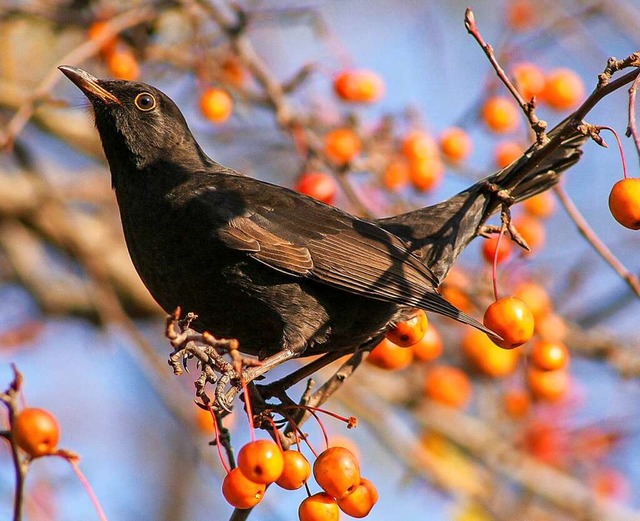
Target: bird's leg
[274, 389]
[188, 343]
[256, 370]
[208, 350]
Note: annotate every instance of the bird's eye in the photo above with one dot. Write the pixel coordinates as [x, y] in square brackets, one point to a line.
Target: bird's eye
[145, 101]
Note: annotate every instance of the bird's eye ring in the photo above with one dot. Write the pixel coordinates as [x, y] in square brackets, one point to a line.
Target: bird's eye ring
[145, 102]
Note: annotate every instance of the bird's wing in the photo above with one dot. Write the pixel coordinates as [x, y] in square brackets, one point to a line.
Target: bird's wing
[243, 234]
[339, 250]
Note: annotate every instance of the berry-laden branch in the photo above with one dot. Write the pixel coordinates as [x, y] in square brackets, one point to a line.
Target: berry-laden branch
[84, 51]
[528, 107]
[545, 146]
[276, 95]
[34, 433]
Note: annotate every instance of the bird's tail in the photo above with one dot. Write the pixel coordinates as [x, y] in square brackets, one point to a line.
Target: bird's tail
[438, 234]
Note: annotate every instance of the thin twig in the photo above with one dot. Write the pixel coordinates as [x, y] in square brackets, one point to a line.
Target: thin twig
[593, 239]
[20, 465]
[632, 128]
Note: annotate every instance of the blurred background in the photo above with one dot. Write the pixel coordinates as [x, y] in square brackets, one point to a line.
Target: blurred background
[502, 441]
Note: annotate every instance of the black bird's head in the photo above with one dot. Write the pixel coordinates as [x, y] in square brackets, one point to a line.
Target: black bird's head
[140, 127]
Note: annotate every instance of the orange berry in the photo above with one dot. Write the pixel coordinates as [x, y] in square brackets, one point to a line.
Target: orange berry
[319, 507]
[97, 30]
[532, 231]
[342, 145]
[261, 461]
[624, 202]
[216, 104]
[542, 205]
[337, 471]
[241, 492]
[296, 472]
[510, 318]
[549, 356]
[535, 297]
[516, 402]
[396, 175]
[546, 442]
[448, 385]
[359, 85]
[204, 420]
[458, 297]
[455, 144]
[409, 332]
[418, 144]
[563, 89]
[340, 440]
[123, 64]
[360, 502]
[522, 14]
[319, 185]
[529, 79]
[487, 357]
[425, 173]
[387, 355]
[547, 385]
[430, 347]
[551, 327]
[611, 484]
[500, 114]
[453, 289]
[507, 152]
[233, 72]
[489, 248]
[36, 431]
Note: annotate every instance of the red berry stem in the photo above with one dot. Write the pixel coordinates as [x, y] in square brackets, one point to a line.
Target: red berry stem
[622, 158]
[349, 421]
[298, 433]
[216, 431]
[275, 431]
[322, 427]
[87, 487]
[247, 406]
[494, 267]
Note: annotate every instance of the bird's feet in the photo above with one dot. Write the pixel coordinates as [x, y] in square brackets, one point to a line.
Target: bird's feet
[226, 374]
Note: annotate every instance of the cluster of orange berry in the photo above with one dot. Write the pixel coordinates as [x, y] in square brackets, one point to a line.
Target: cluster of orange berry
[118, 57]
[560, 89]
[336, 470]
[516, 318]
[421, 157]
[216, 104]
[413, 340]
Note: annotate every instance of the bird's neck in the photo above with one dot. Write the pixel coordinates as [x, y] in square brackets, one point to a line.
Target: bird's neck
[153, 177]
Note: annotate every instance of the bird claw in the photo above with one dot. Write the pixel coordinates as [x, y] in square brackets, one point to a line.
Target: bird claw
[226, 376]
[220, 393]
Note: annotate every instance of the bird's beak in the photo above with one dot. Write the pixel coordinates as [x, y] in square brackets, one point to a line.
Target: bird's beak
[88, 84]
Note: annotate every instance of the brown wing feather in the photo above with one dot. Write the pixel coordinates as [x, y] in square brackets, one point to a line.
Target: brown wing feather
[245, 235]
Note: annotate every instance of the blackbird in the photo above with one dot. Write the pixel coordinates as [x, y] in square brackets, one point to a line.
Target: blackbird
[277, 270]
